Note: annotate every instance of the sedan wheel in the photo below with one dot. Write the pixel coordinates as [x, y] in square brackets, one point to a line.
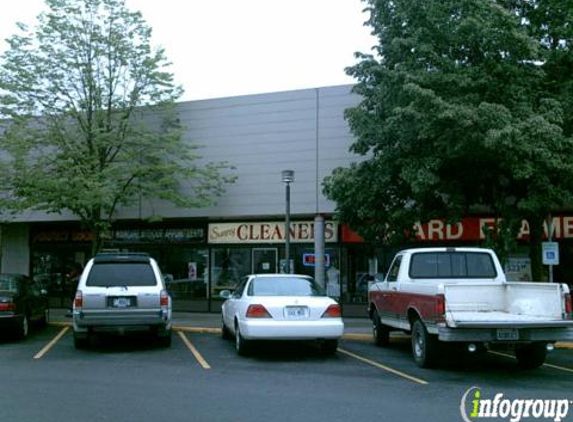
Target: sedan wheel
[329, 347]
[225, 333]
[241, 345]
[23, 328]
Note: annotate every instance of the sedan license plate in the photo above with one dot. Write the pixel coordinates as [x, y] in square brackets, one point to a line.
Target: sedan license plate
[296, 312]
[122, 302]
[507, 334]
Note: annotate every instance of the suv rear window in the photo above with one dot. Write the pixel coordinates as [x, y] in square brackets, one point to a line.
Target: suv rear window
[452, 265]
[108, 274]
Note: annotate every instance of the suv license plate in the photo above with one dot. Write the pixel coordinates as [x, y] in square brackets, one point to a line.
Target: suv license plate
[121, 302]
[507, 334]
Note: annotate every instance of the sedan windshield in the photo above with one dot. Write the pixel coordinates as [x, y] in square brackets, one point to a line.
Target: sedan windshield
[8, 284]
[284, 286]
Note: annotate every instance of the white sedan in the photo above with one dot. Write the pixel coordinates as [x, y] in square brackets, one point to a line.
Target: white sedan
[280, 307]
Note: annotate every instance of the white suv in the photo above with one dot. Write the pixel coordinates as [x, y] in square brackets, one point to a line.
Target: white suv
[121, 292]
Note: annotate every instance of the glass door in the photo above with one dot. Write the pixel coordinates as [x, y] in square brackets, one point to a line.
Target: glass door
[265, 260]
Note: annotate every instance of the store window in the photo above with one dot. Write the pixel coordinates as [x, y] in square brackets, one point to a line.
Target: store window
[228, 266]
[58, 270]
[185, 270]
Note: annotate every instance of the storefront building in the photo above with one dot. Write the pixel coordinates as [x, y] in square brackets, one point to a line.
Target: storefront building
[206, 250]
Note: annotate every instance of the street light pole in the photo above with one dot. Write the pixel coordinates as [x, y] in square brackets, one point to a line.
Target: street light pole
[287, 178]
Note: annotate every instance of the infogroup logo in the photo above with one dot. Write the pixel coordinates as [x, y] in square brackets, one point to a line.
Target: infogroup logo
[474, 406]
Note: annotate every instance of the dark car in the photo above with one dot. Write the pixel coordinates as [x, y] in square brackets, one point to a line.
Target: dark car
[22, 302]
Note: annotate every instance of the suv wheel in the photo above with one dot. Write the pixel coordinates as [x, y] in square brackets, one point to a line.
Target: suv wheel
[81, 342]
[165, 338]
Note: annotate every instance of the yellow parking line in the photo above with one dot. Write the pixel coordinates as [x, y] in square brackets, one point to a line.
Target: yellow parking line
[193, 350]
[560, 368]
[384, 367]
[51, 344]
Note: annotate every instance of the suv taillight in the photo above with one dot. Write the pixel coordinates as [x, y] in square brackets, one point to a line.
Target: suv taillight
[164, 299]
[257, 311]
[78, 300]
[333, 311]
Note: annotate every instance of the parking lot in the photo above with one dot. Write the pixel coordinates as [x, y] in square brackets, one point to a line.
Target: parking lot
[201, 378]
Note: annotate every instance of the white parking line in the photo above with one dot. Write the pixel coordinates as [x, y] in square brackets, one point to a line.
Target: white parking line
[51, 344]
[384, 367]
[193, 350]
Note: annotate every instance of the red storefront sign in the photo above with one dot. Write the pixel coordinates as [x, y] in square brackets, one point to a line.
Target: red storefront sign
[471, 229]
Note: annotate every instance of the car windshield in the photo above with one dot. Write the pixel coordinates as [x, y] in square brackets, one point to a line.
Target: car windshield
[452, 265]
[284, 286]
[108, 274]
[8, 284]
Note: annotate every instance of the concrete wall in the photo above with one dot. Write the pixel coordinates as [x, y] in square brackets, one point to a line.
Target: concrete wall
[14, 249]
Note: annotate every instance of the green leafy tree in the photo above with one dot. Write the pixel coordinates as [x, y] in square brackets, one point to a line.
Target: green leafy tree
[456, 117]
[90, 122]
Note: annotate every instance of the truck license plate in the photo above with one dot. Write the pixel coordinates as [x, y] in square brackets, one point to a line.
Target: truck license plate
[507, 334]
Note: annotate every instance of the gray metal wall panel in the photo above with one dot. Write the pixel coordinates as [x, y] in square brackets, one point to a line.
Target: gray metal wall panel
[261, 135]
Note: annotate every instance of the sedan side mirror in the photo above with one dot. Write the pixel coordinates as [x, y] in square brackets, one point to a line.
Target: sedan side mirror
[225, 294]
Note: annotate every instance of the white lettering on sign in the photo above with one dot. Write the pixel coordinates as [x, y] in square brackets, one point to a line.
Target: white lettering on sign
[485, 225]
[459, 231]
[438, 230]
[567, 227]
[269, 232]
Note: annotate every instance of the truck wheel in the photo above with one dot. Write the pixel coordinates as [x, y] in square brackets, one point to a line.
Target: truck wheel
[380, 332]
[531, 356]
[424, 345]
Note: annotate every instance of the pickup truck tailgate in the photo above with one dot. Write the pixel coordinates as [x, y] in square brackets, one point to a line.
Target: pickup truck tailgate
[505, 305]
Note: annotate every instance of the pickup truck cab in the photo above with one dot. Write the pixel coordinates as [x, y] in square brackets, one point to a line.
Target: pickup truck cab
[460, 296]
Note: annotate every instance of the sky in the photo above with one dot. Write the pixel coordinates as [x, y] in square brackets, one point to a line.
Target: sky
[222, 48]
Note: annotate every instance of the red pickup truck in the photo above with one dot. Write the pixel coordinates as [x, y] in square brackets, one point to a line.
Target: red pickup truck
[460, 296]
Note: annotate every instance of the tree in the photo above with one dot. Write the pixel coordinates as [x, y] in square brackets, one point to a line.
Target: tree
[90, 119]
[455, 117]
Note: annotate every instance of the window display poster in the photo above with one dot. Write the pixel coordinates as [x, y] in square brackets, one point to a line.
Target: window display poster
[193, 271]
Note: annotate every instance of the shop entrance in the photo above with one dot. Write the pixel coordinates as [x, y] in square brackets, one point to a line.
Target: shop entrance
[265, 260]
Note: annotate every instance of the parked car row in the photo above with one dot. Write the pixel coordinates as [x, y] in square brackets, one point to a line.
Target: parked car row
[126, 292]
[122, 292]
